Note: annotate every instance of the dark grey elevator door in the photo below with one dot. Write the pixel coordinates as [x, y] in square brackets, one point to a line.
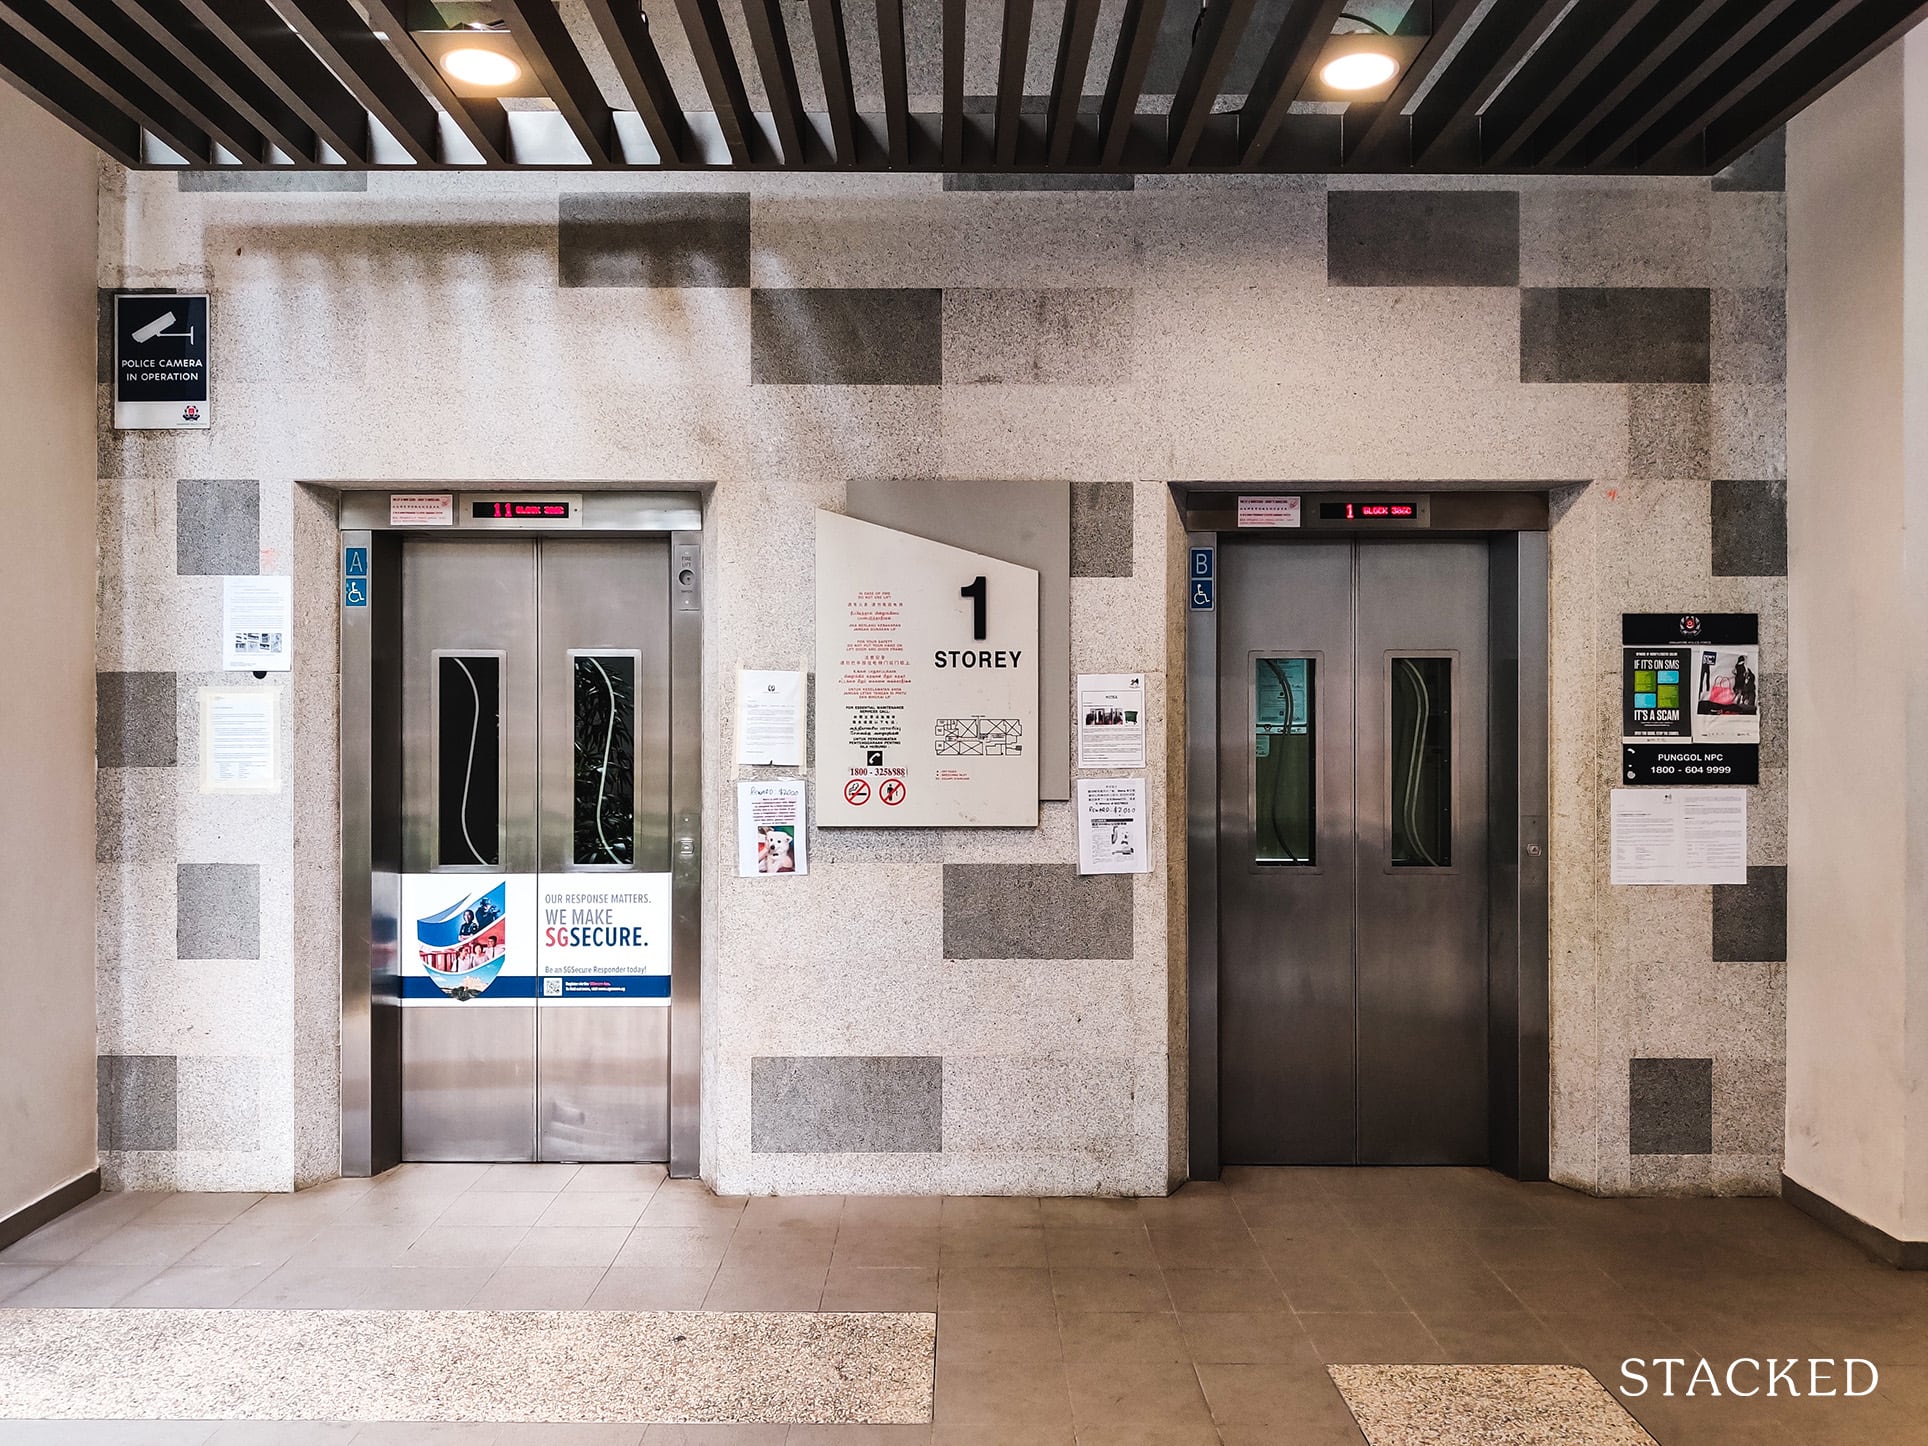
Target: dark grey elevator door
[1352, 701]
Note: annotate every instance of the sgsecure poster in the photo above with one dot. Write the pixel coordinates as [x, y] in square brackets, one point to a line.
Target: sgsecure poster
[605, 939]
[468, 940]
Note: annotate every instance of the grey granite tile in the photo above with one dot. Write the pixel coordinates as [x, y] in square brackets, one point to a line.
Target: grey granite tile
[838, 1104]
[1614, 334]
[136, 720]
[1762, 169]
[218, 911]
[1668, 431]
[1035, 181]
[669, 238]
[1749, 338]
[847, 336]
[1423, 238]
[217, 528]
[135, 1102]
[282, 181]
[218, 1103]
[1035, 911]
[1057, 335]
[1750, 529]
[1750, 919]
[1772, 693]
[1101, 529]
[1670, 1106]
[1750, 1106]
[1483, 1406]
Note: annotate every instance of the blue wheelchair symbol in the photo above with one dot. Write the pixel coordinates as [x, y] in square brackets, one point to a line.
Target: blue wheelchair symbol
[1203, 590]
[354, 592]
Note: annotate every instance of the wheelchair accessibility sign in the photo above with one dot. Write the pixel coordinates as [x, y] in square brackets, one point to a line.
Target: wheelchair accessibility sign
[1202, 584]
[354, 577]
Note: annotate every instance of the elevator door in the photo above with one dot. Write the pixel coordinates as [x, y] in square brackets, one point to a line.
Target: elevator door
[1352, 694]
[535, 688]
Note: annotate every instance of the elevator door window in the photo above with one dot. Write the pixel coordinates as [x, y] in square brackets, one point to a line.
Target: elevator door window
[468, 760]
[1283, 743]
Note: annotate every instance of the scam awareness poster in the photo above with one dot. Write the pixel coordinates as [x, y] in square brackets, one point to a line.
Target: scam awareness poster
[604, 939]
[468, 940]
[927, 683]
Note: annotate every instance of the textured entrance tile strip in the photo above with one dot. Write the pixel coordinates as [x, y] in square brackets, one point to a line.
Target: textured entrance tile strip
[466, 1365]
[1485, 1406]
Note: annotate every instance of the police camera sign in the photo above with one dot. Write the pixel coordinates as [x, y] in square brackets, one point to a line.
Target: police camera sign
[927, 677]
[160, 362]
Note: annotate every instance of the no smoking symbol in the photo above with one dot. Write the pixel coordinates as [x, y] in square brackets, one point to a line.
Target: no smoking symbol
[891, 791]
[856, 791]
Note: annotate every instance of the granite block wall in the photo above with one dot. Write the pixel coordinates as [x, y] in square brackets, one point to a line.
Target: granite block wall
[944, 1010]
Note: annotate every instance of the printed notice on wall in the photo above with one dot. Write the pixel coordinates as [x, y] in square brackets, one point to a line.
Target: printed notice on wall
[257, 624]
[927, 683]
[605, 938]
[1268, 512]
[769, 717]
[240, 742]
[1111, 826]
[1679, 836]
[1111, 720]
[770, 833]
[1690, 708]
[421, 509]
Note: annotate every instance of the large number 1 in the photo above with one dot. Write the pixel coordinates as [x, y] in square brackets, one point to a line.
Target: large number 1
[975, 592]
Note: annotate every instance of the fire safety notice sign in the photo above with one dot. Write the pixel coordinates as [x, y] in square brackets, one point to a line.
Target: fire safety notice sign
[927, 683]
[160, 361]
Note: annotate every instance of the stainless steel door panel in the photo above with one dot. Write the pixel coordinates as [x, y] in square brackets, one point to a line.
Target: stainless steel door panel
[1421, 964]
[1286, 995]
[468, 1074]
[602, 1081]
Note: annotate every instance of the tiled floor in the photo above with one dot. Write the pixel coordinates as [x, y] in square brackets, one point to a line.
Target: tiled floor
[1206, 1317]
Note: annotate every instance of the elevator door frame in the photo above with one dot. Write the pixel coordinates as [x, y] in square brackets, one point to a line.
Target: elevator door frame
[371, 774]
[1513, 525]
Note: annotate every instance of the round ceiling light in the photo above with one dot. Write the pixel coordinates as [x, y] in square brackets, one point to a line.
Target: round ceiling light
[1361, 70]
[475, 66]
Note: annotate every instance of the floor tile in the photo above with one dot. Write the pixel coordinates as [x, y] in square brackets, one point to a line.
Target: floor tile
[880, 1288]
[1125, 1392]
[627, 1179]
[1114, 1246]
[429, 1288]
[883, 1245]
[679, 1245]
[1370, 1336]
[1085, 1288]
[1121, 1336]
[547, 1245]
[16, 1277]
[986, 1334]
[481, 1246]
[993, 1287]
[891, 1211]
[766, 1212]
[84, 1285]
[1244, 1338]
[546, 1178]
[1008, 1390]
[652, 1287]
[212, 1287]
[1283, 1398]
[1225, 1290]
[775, 1288]
[538, 1287]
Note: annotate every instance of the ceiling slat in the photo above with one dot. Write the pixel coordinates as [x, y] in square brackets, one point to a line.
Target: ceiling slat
[1303, 33]
[1583, 42]
[104, 23]
[953, 124]
[833, 63]
[1842, 51]
[480, 118]
[62, 41]
[1137, 37]
[1067, 77]
[551, 52]
[1662, 33]
[710, 44]
[1695, 58]
[262, 41]
[335, 31]
[1220, 28]
[1370, 129]
[1777, 44]
[193, 45]
[890, 52]
[771, 42]
[1014, 49]
[68, 99]
[1497, 44]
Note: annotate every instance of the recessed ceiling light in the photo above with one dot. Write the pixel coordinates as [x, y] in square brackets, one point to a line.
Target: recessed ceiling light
[1361, 70]
[475, 66]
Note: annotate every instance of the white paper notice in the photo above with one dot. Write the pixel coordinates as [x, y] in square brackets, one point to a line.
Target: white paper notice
[769, 717]
[1111, 720]
[770, 833]
[421, 509]
[1268, 512]
[1679, 836]
[1111, 826]
[257, 624]
[240, 743]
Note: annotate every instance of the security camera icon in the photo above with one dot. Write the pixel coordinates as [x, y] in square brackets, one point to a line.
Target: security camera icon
[159, 327]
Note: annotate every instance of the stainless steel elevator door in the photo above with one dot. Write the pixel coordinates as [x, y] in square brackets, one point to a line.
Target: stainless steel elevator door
[1353, 737]
[535, 745]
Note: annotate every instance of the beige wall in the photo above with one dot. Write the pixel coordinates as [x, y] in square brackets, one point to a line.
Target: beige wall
[1859, 763]
[48, 213]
